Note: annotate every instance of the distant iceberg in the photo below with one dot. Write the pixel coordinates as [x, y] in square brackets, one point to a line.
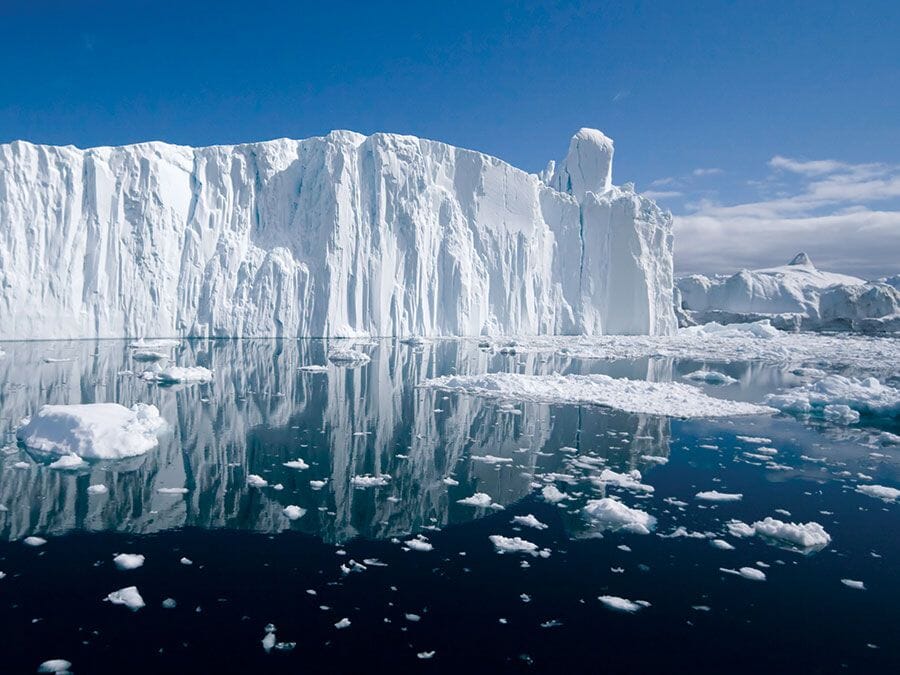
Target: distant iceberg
[794, 296]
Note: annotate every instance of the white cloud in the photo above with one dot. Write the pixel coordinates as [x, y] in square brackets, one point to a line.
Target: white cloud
[706, 172]
[841, 214]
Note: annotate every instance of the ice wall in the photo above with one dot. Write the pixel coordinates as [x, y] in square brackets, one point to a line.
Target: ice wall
[331, 236]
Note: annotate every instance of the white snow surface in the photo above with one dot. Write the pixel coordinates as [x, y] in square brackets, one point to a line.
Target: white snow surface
[800, 535]
[610, 514]
[93, 430]
[863, 395]
[795, 294]
[673, 399]
[341, 235]
[127, 596]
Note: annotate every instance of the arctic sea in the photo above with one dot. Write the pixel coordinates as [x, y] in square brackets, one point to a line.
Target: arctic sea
[401, 554]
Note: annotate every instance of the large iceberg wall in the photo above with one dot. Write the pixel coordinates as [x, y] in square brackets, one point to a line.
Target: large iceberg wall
[338, 235]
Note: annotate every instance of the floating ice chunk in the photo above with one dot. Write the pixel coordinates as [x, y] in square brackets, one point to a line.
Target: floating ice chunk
[450, 481]
[798, 535]
[853, 583]
[343, 623]
[414, 618]
[186, 561]
[348, 358]
[757, 329]
[722, 545]
[552, 494]
[97, 489]
[480, 500]
[425, 655]
[169, 603]
[21, 465]
[256, 481]
[716, 496]
[317, 484]
[313, 369]
[655, 459]
[610, 514]
[513, 545]
[754, 440]
[128, 596]
[628, 481]
[58, 666]
[710, 377]
[739, 529]
[293, 512]
[68, 462]
[93, 430]
[268, 642]
[623, 604]
[636, 396]
[840, 414]
[172, 490]
[368, 481]
[129, 561]
[750, 573]
[529, 521]
[34, 541]
[866, 396]
[178, 375]
[296, 464]
[419, 543]
[882, 492]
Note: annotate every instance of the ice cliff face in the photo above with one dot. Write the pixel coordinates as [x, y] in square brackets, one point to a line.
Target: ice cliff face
[332, 236]
[796, 295]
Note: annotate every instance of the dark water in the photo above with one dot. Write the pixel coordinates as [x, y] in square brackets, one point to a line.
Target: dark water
[252, 566]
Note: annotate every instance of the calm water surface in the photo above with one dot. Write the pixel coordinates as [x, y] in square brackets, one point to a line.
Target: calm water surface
[475, 609]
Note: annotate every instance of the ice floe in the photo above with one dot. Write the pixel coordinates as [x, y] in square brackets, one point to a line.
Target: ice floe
[529, 521]
[802, 536]
[93, 430]
[34, 541]
[256, 481]
[882, 492]
[293, 512]
[480, 500]
[716, 496]
[866, 396]
[97, 489]
[129, 597]
[610, 514]
[368, 481]
[636, 396]
[710, 377]
[178, 374]
[623, 604]
[750, 573]
[58, 666]
[348, 357]
[67, 462]
[128, 561]
[853, 583]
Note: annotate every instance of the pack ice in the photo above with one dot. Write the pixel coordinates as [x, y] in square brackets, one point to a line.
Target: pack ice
[793, 296]
[340, 235]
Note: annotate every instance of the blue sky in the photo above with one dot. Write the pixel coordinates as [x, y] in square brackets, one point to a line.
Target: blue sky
[716, 108]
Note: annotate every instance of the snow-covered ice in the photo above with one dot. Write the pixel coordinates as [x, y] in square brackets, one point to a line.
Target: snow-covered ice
[623, 604]
[368, 480]
[129, 597]
[610, 514]
[716, 496]
[128, 561]
[178, 374]
[882, 492]
[93, 430]
[636, 396]
[750, 573]
[863, 395]
[479, 499]
[513, 544]
[348, 357]
[854, 584]
[529, 521]
[710, 377]
[470, 245]
[55, 666]
[293, 512]
[809, 535]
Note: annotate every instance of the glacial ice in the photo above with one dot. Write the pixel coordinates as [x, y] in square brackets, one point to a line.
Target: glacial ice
[830, 395]
[636, 396]
[93, 430]
[341, 236]
[792, 296]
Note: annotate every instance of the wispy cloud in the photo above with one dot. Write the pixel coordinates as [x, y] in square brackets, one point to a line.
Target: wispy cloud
[846, 216]
[713, 171]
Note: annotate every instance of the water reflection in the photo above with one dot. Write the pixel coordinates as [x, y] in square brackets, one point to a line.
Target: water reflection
[261, 411]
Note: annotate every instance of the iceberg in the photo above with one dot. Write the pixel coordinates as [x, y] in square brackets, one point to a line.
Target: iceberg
[793, 296]
[342, 235]
[92, 430]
